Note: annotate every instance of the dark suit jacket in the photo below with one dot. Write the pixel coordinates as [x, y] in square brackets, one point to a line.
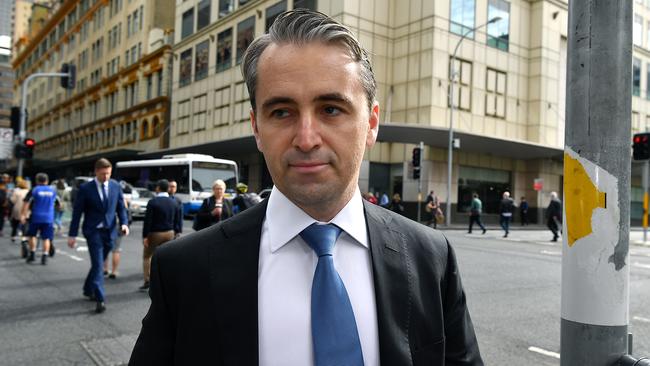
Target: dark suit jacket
[161, 215]
[204, 296]
[178, 226]
[91, 206]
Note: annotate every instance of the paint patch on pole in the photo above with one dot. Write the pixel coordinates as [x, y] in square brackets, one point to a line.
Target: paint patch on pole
[581, 198]
[595, 289]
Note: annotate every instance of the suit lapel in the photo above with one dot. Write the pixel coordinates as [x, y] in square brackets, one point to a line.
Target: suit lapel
[233, 282]
[392, 286]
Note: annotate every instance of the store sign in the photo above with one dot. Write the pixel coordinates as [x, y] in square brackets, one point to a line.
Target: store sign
[538, 184]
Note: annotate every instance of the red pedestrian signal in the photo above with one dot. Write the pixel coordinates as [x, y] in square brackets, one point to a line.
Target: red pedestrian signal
[25, 149]
[30, 143]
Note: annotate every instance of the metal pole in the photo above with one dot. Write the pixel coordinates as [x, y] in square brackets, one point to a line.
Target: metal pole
[450, 151]
[644, 178]
[420, 183]
[23, 111]
[597, 165]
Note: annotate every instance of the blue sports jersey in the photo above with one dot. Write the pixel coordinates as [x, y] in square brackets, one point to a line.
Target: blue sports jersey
[43, 198]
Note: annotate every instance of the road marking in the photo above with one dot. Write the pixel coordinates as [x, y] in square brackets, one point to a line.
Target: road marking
[74, 257]
[82, 248]
[551, 252]
[634, 252]
[548, 243]
[81, 239]
[544, 352]
[641, 265]
[641, 319]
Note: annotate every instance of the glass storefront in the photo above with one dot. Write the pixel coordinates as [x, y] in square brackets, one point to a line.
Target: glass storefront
[488, 183]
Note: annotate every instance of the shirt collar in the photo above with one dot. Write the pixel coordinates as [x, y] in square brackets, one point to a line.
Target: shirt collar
[162, 194]
[285, 220]
[99, 183]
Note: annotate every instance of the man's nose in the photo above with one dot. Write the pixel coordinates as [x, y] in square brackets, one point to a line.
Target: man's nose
[307, 136]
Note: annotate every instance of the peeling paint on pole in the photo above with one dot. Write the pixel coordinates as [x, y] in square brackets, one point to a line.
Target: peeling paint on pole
[596, 289]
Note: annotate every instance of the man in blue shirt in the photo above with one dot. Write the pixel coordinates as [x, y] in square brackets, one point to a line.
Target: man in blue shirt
[41, 201]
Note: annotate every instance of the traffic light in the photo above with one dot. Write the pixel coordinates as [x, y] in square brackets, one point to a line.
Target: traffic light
[641, 146]
[417, 154]
[25, 149]
[70, 81]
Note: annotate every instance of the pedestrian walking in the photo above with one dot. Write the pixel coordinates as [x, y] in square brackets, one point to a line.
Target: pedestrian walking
[372, 198]
[313, 275]
[554, 215]
[115, 255]
[214, 208]
[432, 208]
[64, 200]
[41, 201]
[244, 199]
[17, 197]
[475, 210]
[178, 228]
[523, 211]
[101, 202]
[506, 208]
[384, 200]
[158, 226]
[396, 205]
[4, 205]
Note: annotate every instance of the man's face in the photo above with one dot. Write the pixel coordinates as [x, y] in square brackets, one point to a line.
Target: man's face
[172, 188]
[312, 121]
[103, 174]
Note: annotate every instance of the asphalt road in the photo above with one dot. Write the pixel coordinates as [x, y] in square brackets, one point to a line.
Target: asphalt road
[513, 289]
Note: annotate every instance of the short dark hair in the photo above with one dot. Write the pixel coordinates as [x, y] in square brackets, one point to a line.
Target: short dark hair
[103, 163]
[163, 185]
[302, 26]
[42, 178]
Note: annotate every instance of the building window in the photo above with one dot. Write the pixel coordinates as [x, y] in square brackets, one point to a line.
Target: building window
[638, 30]
[201, 64]
[185, 68]
[647, 81]
[305, 4]
[183, 125]
[647, 36]
[149, 86]
[636, 77]
[272, 12]
[199, 110]
[224, 50]
[187, 27]
[226, 7]
[489, 184]
[463, 80]
[495, 94]
[245, 35]
[160, 84]
[462, 17]
[222, 106]
[203, 14]
[498, 32]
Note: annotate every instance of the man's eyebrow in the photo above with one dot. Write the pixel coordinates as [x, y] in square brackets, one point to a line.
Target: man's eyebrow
[334, 97]
[276, 100]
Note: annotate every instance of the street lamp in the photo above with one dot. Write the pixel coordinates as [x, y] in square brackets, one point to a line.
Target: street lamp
[451, 115]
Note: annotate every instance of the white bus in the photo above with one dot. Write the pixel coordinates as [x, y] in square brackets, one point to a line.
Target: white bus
[194, 174]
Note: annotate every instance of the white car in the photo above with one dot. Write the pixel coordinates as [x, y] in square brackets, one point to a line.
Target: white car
[138, 205]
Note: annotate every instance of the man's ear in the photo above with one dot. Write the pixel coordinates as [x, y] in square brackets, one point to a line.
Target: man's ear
[256, 132]
[373, 125]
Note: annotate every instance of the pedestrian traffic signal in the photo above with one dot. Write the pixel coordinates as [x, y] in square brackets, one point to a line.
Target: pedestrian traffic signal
[416, 173]
[417, 153]
[69, 81]
[641, 146]
[25, 149]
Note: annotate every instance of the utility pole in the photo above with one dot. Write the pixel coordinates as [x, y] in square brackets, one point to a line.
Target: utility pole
[421, 146]
[597, 165]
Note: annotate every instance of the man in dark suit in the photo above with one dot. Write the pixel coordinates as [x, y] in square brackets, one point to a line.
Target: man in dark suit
[313, 275]
[102, 203]
[160, 220]
[178, 227]
[554, 215]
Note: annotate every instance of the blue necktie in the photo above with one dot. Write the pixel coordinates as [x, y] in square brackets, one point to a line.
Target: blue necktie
[333, 328]
[105, 201]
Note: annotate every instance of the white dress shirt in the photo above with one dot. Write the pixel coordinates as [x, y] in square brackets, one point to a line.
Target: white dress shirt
[286, 271]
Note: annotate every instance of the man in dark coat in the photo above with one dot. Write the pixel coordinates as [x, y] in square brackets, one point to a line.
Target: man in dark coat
[313, 275]
[554, 215]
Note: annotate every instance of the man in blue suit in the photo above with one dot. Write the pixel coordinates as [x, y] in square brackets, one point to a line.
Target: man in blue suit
[100, 201]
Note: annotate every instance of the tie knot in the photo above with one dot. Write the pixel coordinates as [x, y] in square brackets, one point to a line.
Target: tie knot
[321, 238]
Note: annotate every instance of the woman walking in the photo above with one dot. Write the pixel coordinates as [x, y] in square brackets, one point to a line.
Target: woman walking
[214, 208]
